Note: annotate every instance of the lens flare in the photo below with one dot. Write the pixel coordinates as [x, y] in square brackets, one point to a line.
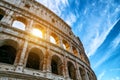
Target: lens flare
[37, 32]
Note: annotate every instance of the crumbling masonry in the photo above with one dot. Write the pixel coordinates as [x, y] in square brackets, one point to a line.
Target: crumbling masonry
[56, 54]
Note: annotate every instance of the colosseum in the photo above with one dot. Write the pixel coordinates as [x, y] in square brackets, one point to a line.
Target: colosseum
[35, 44]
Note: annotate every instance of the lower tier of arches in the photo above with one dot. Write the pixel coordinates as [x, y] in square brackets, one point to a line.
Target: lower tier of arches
[22, 56]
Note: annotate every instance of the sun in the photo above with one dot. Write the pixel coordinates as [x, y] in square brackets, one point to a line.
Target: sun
[36, 32]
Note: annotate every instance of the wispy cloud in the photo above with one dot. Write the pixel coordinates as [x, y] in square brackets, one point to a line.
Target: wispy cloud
[116, 78]
[108, 54]
[101, 23]
[116, 41]
[101, 75]
[96, 37]
[56, 6]
[96, 19]
[59, 6]
[70, 19]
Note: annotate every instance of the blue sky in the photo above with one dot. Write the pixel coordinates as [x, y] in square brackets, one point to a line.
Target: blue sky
[94, 21]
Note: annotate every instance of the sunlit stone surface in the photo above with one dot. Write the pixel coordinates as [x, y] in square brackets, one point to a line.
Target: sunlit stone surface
[35, 44]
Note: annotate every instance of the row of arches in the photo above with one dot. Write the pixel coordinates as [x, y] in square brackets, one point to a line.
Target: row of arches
[8, 50]
[38, 30]
[35, 58]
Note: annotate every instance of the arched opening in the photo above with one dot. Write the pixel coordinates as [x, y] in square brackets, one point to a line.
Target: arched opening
[38, 30]
[35, 59]
[75, 51]
[90, 76]
[66, 45]
[71, 71]
[20, 23]
[56, 65]
[2, 13]
[8, 51]
[54, 38]
[82, 73]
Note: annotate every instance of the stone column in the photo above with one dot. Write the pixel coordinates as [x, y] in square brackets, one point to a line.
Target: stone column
[65, 68]
[21, 62]
[29, 26]
[86, 75]
[18, 53]
[61, 43]
[46, 62]
[78, 72]
[47, 36]
[71, 50]
[80, 77]
[8, 17]
[23, 50]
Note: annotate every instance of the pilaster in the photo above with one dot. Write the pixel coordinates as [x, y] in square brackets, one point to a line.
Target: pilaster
[22, 53]
[8, 18]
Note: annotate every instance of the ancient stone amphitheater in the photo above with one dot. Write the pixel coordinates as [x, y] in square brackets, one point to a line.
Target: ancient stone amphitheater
[35, 44]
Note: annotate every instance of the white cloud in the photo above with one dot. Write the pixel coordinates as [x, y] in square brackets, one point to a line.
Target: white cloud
[94, 37]
[98, 38]
[85, 11]
[116, 78]
[104, 23]
[70, 19]
[113, 45]
[65, 2]
[101, 75]
[116, 41]
[79, 28]
[56, 6]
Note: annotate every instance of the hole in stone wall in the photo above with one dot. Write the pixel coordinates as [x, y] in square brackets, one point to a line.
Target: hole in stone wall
[54, 38]
[75, 50]
[20, 23]
[33, 61]
[7, 54]
[27, 6]
[2, 13]
[66, 45]
[56, 65]
[71, 71]
[38, 30]
[53, 20]
[1, 16]
[82, 73]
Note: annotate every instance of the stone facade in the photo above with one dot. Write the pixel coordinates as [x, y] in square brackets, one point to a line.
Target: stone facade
[24, 56]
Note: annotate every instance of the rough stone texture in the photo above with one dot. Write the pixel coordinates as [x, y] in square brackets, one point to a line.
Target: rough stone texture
[33, 14]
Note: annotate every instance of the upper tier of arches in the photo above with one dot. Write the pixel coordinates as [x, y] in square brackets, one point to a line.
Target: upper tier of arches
[45, 31]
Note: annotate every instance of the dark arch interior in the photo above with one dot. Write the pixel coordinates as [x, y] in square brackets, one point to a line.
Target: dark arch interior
[33, 61]
[1, 16]
[2, 13]
[54, 66]
[71, 71]
[7, 54]
[82, 73]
